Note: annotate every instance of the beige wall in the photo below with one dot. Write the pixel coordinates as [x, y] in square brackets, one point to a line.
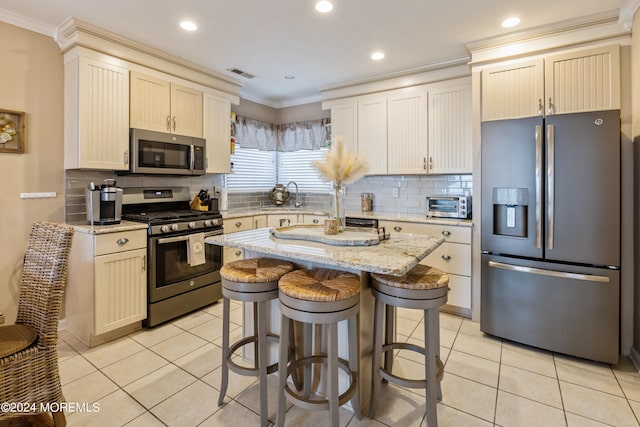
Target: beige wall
[276, 116]
[635, 120]
[31, 80]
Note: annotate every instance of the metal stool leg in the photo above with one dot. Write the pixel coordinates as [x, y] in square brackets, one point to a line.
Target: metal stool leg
[226, 304]
[431, 367]
[332, 377]
[282, 368]
[377, 356]
[307, 351]
[354, 357]
[261, 358]
[389, 335]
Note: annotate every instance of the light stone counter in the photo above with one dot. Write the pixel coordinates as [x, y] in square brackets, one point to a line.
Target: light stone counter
[395, 256]
[82, 227]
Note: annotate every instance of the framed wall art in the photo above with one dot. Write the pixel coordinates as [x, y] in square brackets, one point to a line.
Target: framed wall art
[12, 131]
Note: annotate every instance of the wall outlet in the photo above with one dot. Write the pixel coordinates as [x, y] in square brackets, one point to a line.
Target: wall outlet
[396, 192]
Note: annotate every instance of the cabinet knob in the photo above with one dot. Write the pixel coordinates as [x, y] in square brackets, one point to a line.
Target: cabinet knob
[238, 253]
[238, 224]
[315, 221]
[122, 241]
[446, 257]
[397, 228]
[446, 233]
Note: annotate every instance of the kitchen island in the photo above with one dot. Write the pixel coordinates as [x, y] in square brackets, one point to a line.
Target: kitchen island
[395, 256]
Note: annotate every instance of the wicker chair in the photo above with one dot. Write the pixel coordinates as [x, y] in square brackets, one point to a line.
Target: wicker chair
[28, 349]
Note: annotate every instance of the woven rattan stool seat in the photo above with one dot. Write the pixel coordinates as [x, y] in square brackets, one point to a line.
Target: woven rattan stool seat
[421, 277]
[255, 270]
[320, 285]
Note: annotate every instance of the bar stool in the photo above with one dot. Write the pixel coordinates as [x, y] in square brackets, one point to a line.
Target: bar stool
[423, 288]
[325, 297]
[250, 280]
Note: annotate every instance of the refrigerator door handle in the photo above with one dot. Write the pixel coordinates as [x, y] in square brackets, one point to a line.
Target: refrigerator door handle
[538, 186]
[550, 185]
[552, 273]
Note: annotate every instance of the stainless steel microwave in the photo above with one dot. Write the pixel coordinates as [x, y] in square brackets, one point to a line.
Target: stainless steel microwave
[160, 153]
[449, 207]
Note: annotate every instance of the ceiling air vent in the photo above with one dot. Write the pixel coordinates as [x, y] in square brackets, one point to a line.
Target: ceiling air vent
[241, 73]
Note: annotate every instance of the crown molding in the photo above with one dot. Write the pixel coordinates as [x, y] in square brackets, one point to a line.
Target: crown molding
[627, 10]
[27, 23]
[76, 33]
[586, 29]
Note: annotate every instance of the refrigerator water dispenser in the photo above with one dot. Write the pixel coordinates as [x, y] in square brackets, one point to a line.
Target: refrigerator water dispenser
[510, 210]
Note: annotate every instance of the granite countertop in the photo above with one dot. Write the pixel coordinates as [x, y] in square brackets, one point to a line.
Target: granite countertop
[382, 216]
[395, 256]
[83, 227]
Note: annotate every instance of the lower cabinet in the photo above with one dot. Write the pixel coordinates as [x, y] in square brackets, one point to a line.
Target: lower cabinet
[452, 257]
[282, 220]
[232, 225]
[106, 295]
[313, 219]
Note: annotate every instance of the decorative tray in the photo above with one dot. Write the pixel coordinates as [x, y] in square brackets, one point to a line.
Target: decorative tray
[351, 236]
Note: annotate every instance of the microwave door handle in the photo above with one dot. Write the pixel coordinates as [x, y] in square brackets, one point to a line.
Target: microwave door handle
[192, 155]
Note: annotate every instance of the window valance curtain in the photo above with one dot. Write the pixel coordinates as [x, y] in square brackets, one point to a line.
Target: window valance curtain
[307, 135]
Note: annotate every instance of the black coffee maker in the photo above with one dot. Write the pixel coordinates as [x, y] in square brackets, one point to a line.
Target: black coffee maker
[104, 203]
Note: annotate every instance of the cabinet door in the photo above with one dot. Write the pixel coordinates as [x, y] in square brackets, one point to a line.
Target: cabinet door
[282, 220]
[581, 81]
[450, 142]
[120, 285]
[344, 123]
[513, 91]
[217, 133]
[231, 254]
[100, 138]
[231, 225]
[150, 103]
[372, 132]
[186, 111]
[407, 131]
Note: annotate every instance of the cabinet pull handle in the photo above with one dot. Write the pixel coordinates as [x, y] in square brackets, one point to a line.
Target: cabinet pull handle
[122, 241]
[446, 233]
[238, 224]
[446, 257]
[315, 221]
[126, 157]
[144, 263]
[174, 123]
[238, 253]
[430, 163]
[397, 228]
[168, 123]
[552, 108]
[540, 107]
[424, 163]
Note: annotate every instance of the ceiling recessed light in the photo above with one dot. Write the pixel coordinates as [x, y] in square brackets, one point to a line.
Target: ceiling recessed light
[510, 22]
[377, 56]
[324, 6]
[188, 26]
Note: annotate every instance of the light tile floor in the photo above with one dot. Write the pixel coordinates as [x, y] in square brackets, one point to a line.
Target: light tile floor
[170, 376]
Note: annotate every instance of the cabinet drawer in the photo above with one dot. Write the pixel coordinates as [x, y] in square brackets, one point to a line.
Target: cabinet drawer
[314, 219]
[122, 241]
[452, 258]
[231, 254]
[282, 220]
[459, 291]
[237, 224]
[450, 233]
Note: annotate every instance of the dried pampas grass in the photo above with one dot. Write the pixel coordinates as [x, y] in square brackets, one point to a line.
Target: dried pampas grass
[341, 165]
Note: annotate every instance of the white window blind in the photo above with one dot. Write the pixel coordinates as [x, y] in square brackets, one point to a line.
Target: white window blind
[296, 166]
[253, 170]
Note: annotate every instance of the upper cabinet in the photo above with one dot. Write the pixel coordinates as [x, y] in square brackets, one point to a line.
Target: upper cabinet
[217, 133]
[96, 119]
[163, 106]
[586, 80]
[415, 130]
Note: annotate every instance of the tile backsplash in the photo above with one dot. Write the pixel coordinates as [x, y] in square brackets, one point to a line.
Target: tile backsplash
[412, 191]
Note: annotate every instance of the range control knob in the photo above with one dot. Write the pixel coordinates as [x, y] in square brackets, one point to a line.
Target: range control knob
[164, 228]
[192, 224]
[174, 227]
[208, 223]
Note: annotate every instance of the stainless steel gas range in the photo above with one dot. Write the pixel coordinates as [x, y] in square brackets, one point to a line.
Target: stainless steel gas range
[183, 274]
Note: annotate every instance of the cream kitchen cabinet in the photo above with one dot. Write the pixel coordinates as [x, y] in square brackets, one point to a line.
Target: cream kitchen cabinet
[453, 257]
[164, 106]
[372, 132]
[233, 225]
[106, 296]
[96, 119]
[281, 220]
[313, 219]
[217, 132]
[344, 122]
[577, 81]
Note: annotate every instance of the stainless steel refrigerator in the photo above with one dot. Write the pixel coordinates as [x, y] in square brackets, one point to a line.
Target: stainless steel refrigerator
[551, 232]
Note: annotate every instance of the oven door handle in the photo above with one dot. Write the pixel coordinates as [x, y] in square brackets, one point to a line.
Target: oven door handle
[165, 240]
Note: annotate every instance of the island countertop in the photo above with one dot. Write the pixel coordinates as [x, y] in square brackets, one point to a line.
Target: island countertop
[395, 256]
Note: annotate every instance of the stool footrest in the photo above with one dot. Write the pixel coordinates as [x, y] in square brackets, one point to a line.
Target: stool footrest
[245, 370]
[318, 404]
[404, 382]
